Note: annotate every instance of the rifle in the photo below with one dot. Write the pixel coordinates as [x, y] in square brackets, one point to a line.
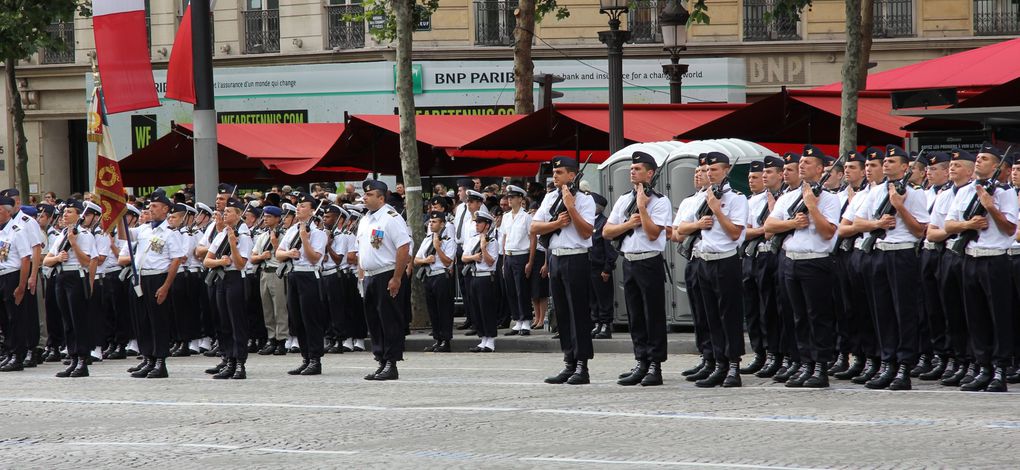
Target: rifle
[490, 237]
[751, 246]
[558, 208]
[650, 191]
[218, 272]
[847, 244]
[885, 208]
[423, 271]
[269, 240]
[974, 208]
[798, 206]
[686, 248]
[287, 266]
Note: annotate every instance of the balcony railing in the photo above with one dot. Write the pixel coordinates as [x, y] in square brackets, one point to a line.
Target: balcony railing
[495, 22]
[758, 28]
[894, 19]
[996, 18]
[344, 33]
[65, 55]
[643, 21]
[261, 31]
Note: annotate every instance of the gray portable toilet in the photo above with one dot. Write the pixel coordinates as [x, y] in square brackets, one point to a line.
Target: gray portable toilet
[680, 184]
[614, 176]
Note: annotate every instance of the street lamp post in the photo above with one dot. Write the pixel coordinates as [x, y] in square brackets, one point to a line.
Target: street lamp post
[614, 40]
[673, 20]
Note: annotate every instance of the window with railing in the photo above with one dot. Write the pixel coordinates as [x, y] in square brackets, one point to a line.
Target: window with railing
[996, 17]
[62, 30]
[495, 22]
[345, 33]
[643, 21]
[261, 26]
[761, 23]
[894, 19]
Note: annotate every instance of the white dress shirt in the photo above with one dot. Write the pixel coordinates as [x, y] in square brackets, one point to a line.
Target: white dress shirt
[568, 238]
[659, 209]
[991, 237]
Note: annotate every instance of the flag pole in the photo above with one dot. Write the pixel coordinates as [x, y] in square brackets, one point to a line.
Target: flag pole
[207, 168]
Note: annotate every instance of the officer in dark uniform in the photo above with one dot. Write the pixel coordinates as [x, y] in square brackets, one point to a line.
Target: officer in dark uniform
[603, 262]
[570, 231]
[435, 259]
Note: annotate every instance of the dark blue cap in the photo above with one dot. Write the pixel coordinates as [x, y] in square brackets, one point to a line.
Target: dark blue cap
[791, 157]
[305, 197]
[272, 210]
[29, 211]
[855, 156]
[48, 209]
[235, 203]
[437, 215]
[711, 158]
[465, 183]
[374, 185]
[874, 153]
[73, 203]
[159, 196]
[896, 151]
[642, 157]
[175, 208]
[938, 157]
[812, 151]
[990, 148]
[963, 155]
[756, 167]
[10, 192]
[772, 161]
[565, 162]
[225, 188]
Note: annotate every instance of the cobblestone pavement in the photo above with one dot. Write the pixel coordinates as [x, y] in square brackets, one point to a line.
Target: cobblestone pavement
[489, 410]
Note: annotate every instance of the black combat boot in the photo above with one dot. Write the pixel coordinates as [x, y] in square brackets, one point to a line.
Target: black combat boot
[635, 375]
[580, 376]
[654, 375]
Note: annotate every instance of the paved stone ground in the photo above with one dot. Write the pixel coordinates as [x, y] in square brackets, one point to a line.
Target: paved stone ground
[485, 410]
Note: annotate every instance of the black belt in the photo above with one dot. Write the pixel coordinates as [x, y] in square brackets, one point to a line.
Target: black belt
[269, 269]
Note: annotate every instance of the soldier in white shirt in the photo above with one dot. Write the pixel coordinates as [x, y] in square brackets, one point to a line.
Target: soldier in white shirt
[70, 256]
[228, 254]
[481, 254]
[518, 251]
[638, 223]
[15, 267]
[383, 255]
[357, 329]
[49, 220]
[304, 245]
[463, 217]
[1014, 259]
[757, 205]
[332, 221]
[986, 268]
[185, 319]
[434, 260]
[721, 235]
[935, 345]
[765, 263]
[569, 235]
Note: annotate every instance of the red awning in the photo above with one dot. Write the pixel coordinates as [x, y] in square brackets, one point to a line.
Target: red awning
[806, 116]
[648, 122]
[983, 67]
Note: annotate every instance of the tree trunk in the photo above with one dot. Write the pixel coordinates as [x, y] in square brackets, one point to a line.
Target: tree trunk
[867, 33]
[524, 67]
[852, 68]
[20, 141]
[409, 147]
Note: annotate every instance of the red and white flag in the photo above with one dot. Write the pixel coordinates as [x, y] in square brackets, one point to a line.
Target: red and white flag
[180, 72]
[123, 54]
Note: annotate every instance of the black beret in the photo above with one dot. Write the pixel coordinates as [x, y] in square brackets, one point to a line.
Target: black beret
[11, 192]
[791, 157]
[335, 209]
[962, 155]
[812, 151]
[225, 188]
[1009, 159]
[465, 183]
[1015, 156]
[828, 160]
[160, 196]
[711, 158]
[438, 215]
[235, 203]
[772, 161]
[642, 157]
[855, 156]
[8, 201]
[756, 167]
[48, 209]
[702, 159]
[896, 151]
[372, 185]
[874, 153]
[305, 197]
[255, 211]
[564, 162]
[989, 148]
[938, 157]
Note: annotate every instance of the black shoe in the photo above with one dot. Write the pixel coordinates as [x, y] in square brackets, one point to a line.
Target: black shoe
[654, 375]
[371, 375]
[488, 350]
[1013, 378]
[53, 356]
[980, 381]
[695, 369]
[641, 365]
[732, 376]
[596, 330]
[958, 373]
[31, 358]
[433, 347]
[174, 347]
[471, 332]
[771, 367]
[606, 332]
[555, 336]
[444, 346]
[218, 367]
[149, 363]
[118, 353]
[475, 349]
[842, 364]
[525, 332]
[755, 365]
[790, 371]
[13, 365]
[853, 369]
[871, 369]
[181, 351]
[67, 372]
[269, 349]
[998, 383]
[806, 369]
[240, 373]
[8, 358]
[294, 350]
[568, 370]
[704, 372]
[214, 352]
[818, 379]
[580, 376]
[902, 380]
[389, 371]
[923, 366]
[281, 349]
[140, 366]
[227, 371]
[314, 367]
[938, 367]
[716, 377]
[884, 378]
[972, 371]
[358, 348]
[253, 346]
[299, 369]
[465, 326]
[159, 370]
[512, 333]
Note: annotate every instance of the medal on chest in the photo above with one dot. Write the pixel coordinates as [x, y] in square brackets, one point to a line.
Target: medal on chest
[5, 250]
[377, 238]
[156, 245]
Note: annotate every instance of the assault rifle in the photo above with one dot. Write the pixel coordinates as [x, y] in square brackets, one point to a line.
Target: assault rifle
[558, 208]
[798, 206]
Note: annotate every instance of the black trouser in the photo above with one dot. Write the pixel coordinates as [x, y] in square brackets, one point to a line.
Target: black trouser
[518, 287]
[568, 283]
[951, 294]
[463, 282]
[787, 324]
[154, 319]
[234, 316]
[809, 287]
[16, 317]
[484, 299]
[847, 335]
[384, 317]
[212, 321]
[723, 310]
[935, 316]
[859, 269]
[752, 307]
[97, 313]
[765, 267]
[1015, 265]
[185, 307]
[539, 286]
[74, 310]
[894, 289]
[30, 303]
[503, 311]
[600, 302]
[354, 307]
[307, 314]
[986, 280]
[335, 296]
[439, 300]
[118, 313]
[54, 322]
[644, 287]
[206, 306]
[702, 338]
[253, 307]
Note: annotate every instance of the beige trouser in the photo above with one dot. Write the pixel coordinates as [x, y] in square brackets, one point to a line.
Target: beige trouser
[274, 306]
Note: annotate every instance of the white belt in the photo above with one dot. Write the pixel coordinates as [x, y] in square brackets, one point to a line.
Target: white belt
[306, 269]
[516, 253]
[886, 246]
[714, 256]
[1014, 251]
[984, 252]
[859, 243]
[805, 255]
[380, 270]
[151, 272]
[765, 247]
[329, 272]
[641, 256]
[568, 251]
[9, 271]
[437, 272]
[930, 245]
[229, 269]
[482, 274]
